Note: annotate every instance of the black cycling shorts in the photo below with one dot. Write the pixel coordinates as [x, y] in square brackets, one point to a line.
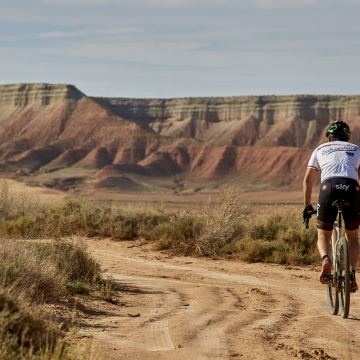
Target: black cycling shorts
[338, 188]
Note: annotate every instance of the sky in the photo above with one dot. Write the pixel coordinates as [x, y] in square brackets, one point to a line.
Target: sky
[181, 48]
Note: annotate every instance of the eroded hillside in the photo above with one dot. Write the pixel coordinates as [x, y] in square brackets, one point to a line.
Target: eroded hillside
[55, 134]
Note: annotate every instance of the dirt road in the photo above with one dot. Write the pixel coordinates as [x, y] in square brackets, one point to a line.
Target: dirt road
[188, 308]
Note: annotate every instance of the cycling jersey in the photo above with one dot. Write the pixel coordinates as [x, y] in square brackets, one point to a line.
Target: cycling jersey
[336, 159]
[338, 162]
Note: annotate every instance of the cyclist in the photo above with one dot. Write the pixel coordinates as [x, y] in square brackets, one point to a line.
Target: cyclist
[338, 161]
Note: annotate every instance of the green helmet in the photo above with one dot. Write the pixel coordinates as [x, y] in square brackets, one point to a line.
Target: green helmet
[339, 129]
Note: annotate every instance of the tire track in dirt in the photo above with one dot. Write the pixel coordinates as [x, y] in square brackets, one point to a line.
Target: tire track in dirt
[202, 309]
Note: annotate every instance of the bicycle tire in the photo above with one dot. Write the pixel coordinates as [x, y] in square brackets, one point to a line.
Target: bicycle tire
[344, 277]
[332, 288]
[333, 294]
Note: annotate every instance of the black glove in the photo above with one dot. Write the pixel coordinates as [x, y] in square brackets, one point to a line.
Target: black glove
[307, 212]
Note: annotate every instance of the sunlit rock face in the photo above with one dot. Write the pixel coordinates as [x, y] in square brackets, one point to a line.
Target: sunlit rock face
[20, 95]
[48, 127]
[245, 120]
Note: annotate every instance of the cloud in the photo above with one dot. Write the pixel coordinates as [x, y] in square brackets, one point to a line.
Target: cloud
[143, 3]
[9, 38]
[58, 34]
[285, 3]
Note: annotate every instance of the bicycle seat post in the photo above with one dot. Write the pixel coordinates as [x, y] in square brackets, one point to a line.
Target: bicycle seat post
[340, 204]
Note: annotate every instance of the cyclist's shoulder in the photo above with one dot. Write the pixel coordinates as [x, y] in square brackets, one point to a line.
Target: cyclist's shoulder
[338, 144]
[354, 146]
[323, 145]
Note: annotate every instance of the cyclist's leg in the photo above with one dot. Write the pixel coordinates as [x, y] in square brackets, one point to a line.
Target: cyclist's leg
[324, 248]
[326, 215]
[323, 243]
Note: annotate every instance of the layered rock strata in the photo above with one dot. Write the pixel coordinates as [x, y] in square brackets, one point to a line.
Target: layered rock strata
[254, 139]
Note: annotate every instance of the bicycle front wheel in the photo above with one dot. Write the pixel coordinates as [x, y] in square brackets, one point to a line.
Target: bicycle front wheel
[344, 276]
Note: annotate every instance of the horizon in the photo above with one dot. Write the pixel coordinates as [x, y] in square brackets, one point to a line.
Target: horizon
[181, 97]
[182, 48]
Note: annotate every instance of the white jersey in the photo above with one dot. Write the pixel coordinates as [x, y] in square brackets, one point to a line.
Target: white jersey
[336, 159]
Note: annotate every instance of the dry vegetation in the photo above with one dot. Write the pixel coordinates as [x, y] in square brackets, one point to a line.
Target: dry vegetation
[226, 228]
[32, 275]
[230, 229]
[35, 272]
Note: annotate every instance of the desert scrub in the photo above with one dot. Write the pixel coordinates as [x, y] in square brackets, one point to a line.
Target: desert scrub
[32, 274]
[230, 229]
[179, 232]
[79, 217]
[22, 331]
[226, 228]
[223, 225]
[45, 270]
[277, 236]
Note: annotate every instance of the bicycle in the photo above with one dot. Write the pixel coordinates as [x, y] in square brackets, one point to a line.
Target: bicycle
[338, 287]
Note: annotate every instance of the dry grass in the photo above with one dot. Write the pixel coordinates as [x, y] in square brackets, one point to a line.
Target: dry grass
[230, 229]
[227, 228]
[31, 274]
[179, 232]
[277, 236]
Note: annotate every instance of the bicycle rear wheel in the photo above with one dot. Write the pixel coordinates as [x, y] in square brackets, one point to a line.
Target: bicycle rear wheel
[332, 288]
[344, 277]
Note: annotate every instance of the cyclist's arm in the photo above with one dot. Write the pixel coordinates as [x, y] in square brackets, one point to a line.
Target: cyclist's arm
[309, 179]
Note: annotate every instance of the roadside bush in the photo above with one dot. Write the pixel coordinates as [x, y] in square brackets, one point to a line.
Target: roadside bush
[23, 333]
[179, 233]
[32, 273]
[277, 236]
[45, 270]
[230, 229]
[224, 224]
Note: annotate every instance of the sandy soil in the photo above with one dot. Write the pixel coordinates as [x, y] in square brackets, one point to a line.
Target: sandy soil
[189, 308]
[257, 197]
[31, 193]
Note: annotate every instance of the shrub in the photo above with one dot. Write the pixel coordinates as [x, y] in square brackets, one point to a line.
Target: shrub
[21, 329]
[31, 273]
[179, 232]
[278, 236]
[223, 224]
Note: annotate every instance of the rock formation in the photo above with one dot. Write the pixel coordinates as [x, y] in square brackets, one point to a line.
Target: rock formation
[46, 128]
